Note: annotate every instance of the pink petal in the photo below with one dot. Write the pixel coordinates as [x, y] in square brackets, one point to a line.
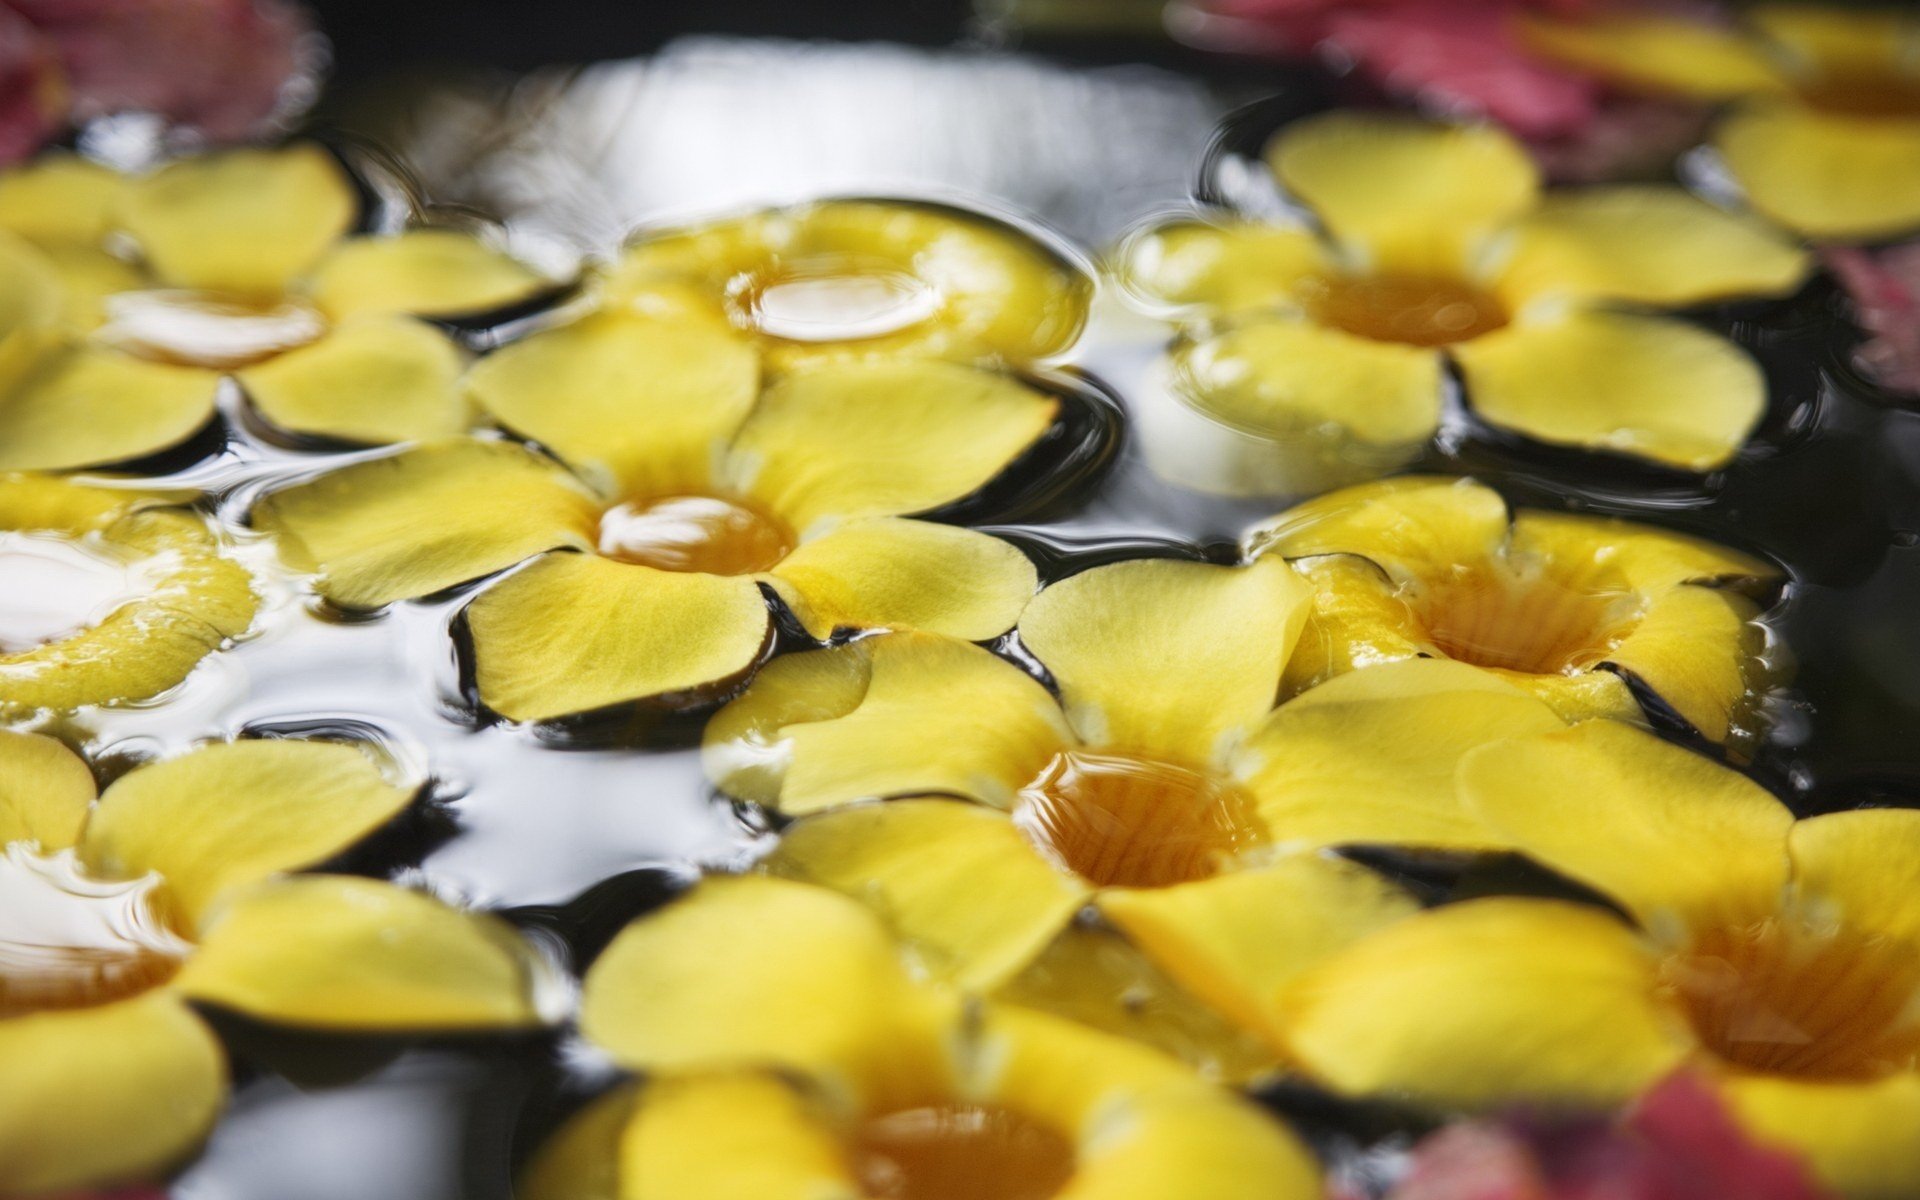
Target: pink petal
[32, 96]
[1884, 287]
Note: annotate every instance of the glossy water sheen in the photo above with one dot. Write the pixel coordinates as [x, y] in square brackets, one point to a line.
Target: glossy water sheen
[51, 587]
[203, 329]
[836, 305]
[68, 941]
[961, 1153]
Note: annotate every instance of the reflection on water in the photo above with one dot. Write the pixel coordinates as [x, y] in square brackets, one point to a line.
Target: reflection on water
[52, 586]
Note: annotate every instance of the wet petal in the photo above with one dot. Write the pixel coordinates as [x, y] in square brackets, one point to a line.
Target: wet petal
[1648, 245]
[1636, 829]
[646, 402]
[1607, 554]
[574, 632]
[111, 1094]
[60, 198]
[1696, 649]
[1406, 195]
[1648, 387]
[731, 1135]
[45, 791]
[1862, 866]
[1486, 1004]
[70, 405]
[374, 380]
[1679, 55]
[1223, 268]
[1237, 939]
[233, 813]
[246, 221]
[1168, 659]
[1369, 757]
[884, 438]
[1409, 526]
[581, 1161]
[1862, 1139]
[1826, 175]
[413, 523]
[888, 573]
[1358, 620]
[343, 953]
[904, 715]
[424, 272]
[958, 884]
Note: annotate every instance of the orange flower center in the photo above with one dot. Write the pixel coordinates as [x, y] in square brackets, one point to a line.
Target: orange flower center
[1531, 623]
[1417, 310]
[54, 587]
[708, 534]
[1122, 821]
[208, 329]
[1864, 94]
[1786, 998]
[68, 941]
[833, 300]
[961, 1153]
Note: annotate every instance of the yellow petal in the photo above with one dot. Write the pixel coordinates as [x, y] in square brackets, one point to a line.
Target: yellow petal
[884, 438]
[83, 406]
[373, 380]
[1678, 55]
[1359, 619]
[1635, 823]
[748, 972]
[1697, 649]
[1237, 939]
[1649, 387]
[1587, 695]
[1827, 175]
[1606, 554]
[233, 813]
[1487, 1004]
[1833, 41]
[344, 953]
[1370, 756]
[726, 1136]
[960, 885]
[904, 715]
[1222, 268]
[889, 573]
[111, 1094]
[424, 272]
[188, 601]
[581, 1161]
[1168, 659]
[31, 291]
[575, 632]
[414, 523]
[1289, 377]
[246, 221]
[646, 403]
[1211, 1147]
[1405, 195]
[1860, 866]
[45, 791]
[1862, 1139]
[1648, 245]
[60, 198]
[90, 276]
[1410, 526]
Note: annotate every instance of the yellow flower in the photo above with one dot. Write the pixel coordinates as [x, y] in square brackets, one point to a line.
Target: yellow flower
[1824, 132]
[1161, 787]
[857, 278]
[1779, 957]
[1434, 244]
[698, 486]
[110, 594]
[239, 265]
[1569, 608]
[168, 890]
[790, 1057]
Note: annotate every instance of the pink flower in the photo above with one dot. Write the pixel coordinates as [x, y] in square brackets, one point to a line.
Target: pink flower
[1884, 286]
[32, 91]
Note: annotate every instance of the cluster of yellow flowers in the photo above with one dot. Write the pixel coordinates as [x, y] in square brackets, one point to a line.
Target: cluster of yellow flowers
[1057, 867]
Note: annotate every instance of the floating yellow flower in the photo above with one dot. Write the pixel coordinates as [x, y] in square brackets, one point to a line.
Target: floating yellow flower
[703, 487]
[1435, 244]
[842, 278]
[790, 1056]
[1162, 786]
[240, 264]
[1780, 958]
[107, 594]
[116, 913]
[1824, 135]
[1569, 608]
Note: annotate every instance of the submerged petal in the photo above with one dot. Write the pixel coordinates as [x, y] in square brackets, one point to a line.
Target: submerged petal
[233, 813]
[1168, 659]
[111, 1094]
[889, 573]
[342, 953]
[1223, 268]
[1698, 650]
[1649, 387]
[883, 438]
[574, 632]
[45, 791]
[65, 405]
[245, 221]
[413, 523]
[422, 272]
[1828, 175]
[374, 380]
